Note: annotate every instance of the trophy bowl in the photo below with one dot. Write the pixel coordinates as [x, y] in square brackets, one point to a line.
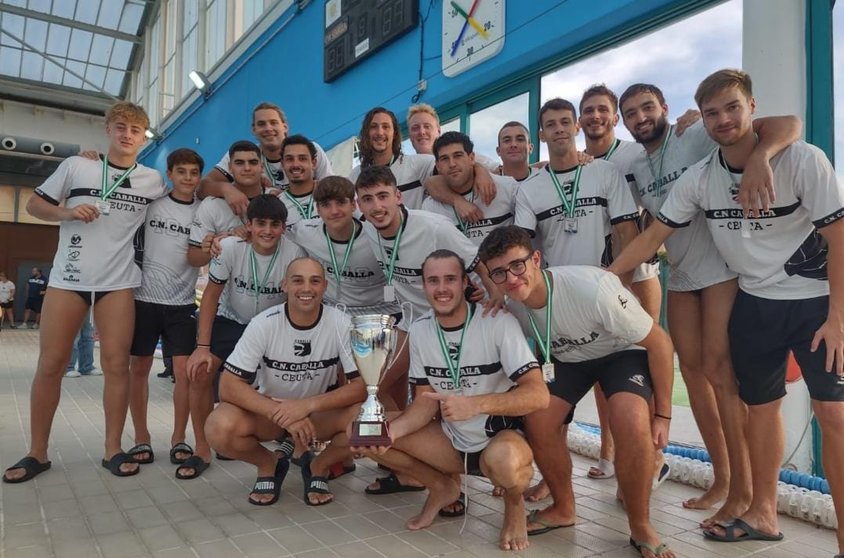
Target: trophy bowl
[373, 340]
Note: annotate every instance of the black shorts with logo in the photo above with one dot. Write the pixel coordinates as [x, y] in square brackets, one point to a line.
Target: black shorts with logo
[762, 331]
[176, 325]
[624, 371]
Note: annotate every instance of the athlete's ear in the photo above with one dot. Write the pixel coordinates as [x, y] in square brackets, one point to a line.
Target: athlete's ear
[284, 284]
[536, 257]
[752, 105]
[615, 120]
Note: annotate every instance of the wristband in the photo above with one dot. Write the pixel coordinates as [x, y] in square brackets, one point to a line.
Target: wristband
[662, 416]
[202, 345]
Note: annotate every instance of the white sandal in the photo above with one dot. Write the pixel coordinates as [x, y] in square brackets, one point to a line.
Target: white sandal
[606, 468]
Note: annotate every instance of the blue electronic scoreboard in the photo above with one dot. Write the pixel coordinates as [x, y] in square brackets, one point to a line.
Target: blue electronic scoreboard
[355, 29]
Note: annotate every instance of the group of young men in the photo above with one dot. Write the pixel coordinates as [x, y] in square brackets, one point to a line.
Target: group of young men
[442, 239]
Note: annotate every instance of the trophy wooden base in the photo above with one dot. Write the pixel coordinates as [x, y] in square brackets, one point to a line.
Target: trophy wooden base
[370, 434]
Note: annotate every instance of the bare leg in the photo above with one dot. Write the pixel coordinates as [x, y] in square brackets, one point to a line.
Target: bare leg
[547, 439]
[607, 446]
[684, 321]
[649, 294]
[181, 399]
[201, 402]
[64, 310]
[115, 318]
[508, 462]
[831, 417]
[139, 367]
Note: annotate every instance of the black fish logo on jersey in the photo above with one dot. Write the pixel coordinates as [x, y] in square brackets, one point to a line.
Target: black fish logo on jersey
[453, 352]
[734, 191]
[75, 239]
[389, 251]
[301, 348]
[622, 301]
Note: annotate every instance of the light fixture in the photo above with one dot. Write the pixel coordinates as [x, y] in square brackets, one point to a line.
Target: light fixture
[201, 82]
[152, 134]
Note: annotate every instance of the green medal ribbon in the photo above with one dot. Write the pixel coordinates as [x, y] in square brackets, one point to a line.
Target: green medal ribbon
[268, 169]
[568, 203]
[454, 365]
[307, 212]
[461, 224]
[658, 175]
[338, 271]
[107, 190]
[391, 267]
[544, 345]
[609, 153]
[253, 267]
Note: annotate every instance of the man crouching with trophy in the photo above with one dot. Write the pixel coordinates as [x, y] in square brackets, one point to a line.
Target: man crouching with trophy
[478, 375]
[282, 378]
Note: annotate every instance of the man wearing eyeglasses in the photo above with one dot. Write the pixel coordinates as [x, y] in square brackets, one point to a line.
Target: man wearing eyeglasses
[590, 329]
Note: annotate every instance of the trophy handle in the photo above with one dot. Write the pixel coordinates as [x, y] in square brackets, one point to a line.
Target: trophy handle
[406, 337]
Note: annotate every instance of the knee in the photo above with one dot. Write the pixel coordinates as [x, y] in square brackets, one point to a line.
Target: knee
[221, 425]
[831, 416]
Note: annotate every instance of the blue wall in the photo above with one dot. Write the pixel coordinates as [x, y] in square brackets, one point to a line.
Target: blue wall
[286, 68]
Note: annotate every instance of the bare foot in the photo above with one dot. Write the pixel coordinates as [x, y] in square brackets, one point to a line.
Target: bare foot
[498, 492]
[538, 492]
[514, 528]
[707, 500]
[728, 512]
[438, 497]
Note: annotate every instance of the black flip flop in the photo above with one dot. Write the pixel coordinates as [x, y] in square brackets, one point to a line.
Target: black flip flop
[139, 449]
[193, 462]
[181, 447]
[31, 466]
[750, 534]
[270, 485]
[459, 512]
[391, 485]
[533, 517]
[118, 459]
[314, 485]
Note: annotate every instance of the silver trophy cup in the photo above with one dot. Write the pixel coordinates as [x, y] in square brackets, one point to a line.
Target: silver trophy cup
[373, 340]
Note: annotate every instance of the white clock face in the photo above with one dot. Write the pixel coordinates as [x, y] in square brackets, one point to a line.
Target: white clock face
[473, 31]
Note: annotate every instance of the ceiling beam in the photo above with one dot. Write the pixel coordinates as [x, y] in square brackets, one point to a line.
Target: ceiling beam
[49, 18]
[58, 96]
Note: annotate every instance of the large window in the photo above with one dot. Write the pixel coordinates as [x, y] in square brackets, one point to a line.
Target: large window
[838, 84]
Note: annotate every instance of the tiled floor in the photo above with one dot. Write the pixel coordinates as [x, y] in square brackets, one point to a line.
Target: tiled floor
[77, 509]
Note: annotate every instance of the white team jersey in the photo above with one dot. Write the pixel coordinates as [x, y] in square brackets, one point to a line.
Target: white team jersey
[231, 268]
[780, 255]
[494, 355]
[694, 260]
[213, 216]
[286, 361]
[603, 200]
[623, 156]
[6, 290]
[423, 233]
[592, 315]
[168, 278]
[299, 208]
[99, 256]
[410, 172]
[361, 289]
[499, 213]
[273, 170]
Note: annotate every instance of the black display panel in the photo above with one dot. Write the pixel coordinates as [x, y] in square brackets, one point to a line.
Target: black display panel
[355, 29]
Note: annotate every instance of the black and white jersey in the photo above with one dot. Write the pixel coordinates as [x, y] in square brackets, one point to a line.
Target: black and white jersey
[361, 287]
[781, 255]
[299, 208]
[422, 233]
[6, 290]
[499, 213]
[410, 172]
[213, 216]
[233, 269]
[622, 156]
[283, 360]
[167, 277]
[694, 260]
[98, 256]
[494, 354]
[603, 200]
[273, 170]
[592, 315]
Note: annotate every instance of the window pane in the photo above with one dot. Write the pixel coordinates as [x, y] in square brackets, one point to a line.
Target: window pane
[838, 84]
[484, 124]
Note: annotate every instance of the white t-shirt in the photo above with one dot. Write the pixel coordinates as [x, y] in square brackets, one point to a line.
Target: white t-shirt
[232, 269]
[592, 315]
[99, 256]
[423, 233]
[499, 213]
[168, 278]
[273, 170]
[361, 290]
[780, 255]
[410, 172]
[286, 361]
[213, 216]
[299, 208]
[6, 290]
[494, 355]
[694, 260]
[603, 200]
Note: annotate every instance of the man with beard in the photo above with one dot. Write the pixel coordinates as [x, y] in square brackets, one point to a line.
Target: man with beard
[701, 287]
[298, 159]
